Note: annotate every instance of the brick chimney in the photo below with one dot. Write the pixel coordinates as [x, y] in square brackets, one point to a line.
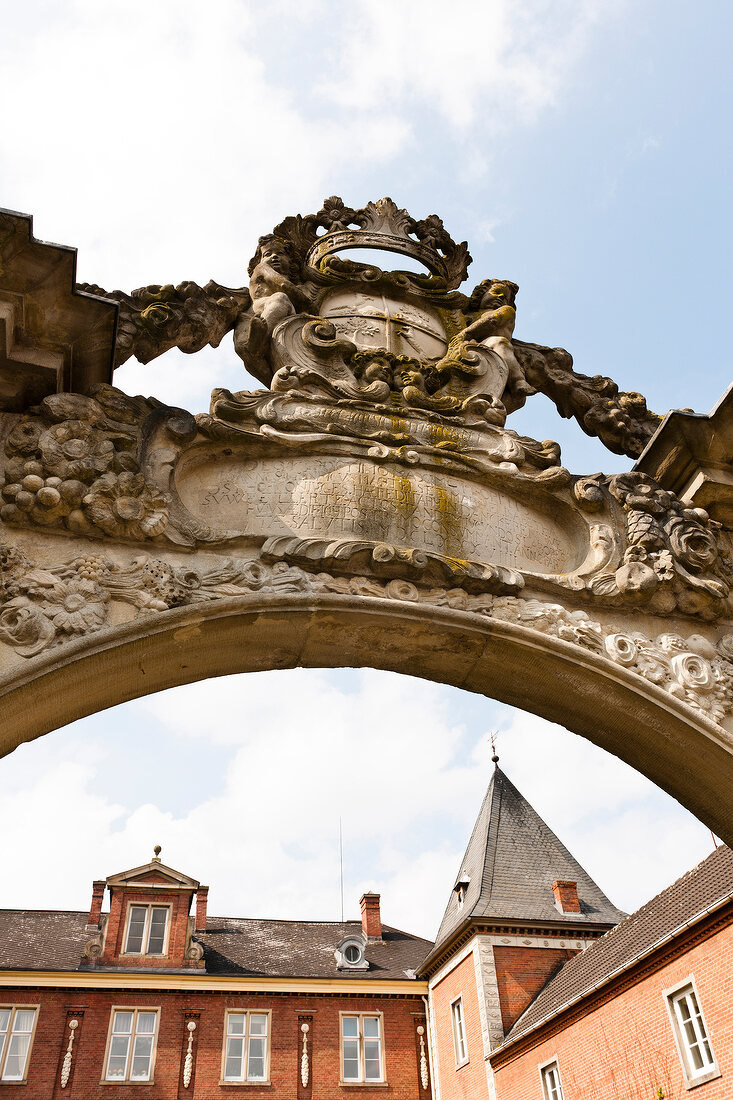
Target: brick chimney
[566, 896]
[371, 920]
[202, 900]
[97, 898]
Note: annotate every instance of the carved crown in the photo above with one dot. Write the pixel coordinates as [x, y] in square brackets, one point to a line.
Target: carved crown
[381, 224]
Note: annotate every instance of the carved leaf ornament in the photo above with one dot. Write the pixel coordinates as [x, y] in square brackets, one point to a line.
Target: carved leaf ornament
[41, 608]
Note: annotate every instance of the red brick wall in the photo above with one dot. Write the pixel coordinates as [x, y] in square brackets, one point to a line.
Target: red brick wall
[469, 1081]
[521, 972]
[625, 1048]
[92, 1008]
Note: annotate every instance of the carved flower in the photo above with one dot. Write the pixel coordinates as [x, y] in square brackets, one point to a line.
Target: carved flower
[334, 215]
[693, 672]
[636, 491]
[621, 648]
[127, 506]
[664, 565]
[23, 440]
[75, 606]
[25, 627]
[74, 449]
[692, 544]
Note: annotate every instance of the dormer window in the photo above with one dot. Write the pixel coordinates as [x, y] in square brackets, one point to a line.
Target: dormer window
[350, 954]
[461, 888]
[147, 930]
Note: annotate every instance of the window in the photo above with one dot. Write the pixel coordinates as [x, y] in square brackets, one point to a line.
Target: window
[17, 1023]
[551, 1085]
[131, 1045]
[691, 1034]
[147, 927]
[349, 954]
[246, 1050]
[459, 1033]
[361, 1048]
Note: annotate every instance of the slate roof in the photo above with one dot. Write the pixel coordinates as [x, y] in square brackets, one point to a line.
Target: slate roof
[511, 862]
[304, 949]
[686, 901]
[51, 940]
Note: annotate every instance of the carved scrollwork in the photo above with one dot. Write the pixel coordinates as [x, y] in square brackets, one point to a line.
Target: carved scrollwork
[675, 557]
[620, 420]
[384, 560]
[46, 607]
[154, 319]
[692, 669]
[311, 357]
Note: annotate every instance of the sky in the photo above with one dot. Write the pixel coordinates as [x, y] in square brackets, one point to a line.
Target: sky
[583, 149]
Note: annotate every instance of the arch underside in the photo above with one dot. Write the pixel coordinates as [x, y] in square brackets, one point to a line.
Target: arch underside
[685, 753]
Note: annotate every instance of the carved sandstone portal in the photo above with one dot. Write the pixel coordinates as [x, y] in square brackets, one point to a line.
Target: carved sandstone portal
[371, 507]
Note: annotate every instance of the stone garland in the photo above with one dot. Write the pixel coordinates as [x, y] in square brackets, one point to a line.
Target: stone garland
[41, 608]
[676, 557]
[74, 466]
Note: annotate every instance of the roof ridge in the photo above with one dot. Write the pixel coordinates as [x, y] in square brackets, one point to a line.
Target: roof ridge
[643, 909]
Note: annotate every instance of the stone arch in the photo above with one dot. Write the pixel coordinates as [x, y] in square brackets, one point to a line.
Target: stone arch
[369, 508]
[686, 754]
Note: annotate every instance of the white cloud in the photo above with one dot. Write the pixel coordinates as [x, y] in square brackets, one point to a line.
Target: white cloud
[404, 763]
[493, 64]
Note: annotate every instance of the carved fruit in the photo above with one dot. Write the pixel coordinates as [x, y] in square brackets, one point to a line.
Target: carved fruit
[635, 576]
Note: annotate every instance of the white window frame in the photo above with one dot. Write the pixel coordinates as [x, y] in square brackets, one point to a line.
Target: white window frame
[245, 1079]
[127, 1080]
[551, 1090]
[148, 906]
[672, 998]
[458, 1027]
[7, 1036]
[362, 1079]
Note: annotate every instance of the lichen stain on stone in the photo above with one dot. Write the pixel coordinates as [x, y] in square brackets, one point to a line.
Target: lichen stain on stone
[450, 520]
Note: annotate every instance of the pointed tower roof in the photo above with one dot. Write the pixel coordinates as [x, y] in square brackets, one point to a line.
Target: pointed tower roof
[511, 869]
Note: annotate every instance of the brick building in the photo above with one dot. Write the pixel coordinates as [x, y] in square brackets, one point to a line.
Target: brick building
[105, 1004]
[536, 987]
[540, 989]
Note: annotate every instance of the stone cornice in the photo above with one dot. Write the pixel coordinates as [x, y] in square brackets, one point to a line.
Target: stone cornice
[170, 983]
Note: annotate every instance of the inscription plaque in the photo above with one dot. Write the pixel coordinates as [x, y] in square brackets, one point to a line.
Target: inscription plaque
[332, 497]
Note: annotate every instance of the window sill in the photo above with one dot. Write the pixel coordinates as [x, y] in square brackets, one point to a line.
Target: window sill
[141, 955]
[693, 1082]
[462, 1064]
[127, 1084]
[363, 1084]
[246, 1084]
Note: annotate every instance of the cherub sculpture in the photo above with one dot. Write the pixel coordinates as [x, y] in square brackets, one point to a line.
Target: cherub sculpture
[275, 296]
[498, 374]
